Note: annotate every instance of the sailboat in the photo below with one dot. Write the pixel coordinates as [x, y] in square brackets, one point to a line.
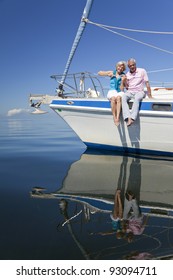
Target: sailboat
[81, 102]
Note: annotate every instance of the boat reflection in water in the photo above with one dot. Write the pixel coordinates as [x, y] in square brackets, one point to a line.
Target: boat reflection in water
[86, 203]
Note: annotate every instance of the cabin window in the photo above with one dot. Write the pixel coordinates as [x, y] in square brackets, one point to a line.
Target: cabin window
[162, 107]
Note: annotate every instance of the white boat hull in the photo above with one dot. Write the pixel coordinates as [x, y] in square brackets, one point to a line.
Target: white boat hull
[152, 132]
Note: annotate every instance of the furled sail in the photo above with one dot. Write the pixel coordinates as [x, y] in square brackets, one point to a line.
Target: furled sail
[76, 41]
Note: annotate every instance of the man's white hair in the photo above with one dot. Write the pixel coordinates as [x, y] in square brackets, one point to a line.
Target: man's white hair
[131, 59]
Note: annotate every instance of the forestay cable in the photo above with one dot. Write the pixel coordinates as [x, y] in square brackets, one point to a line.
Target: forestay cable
[132, 39]
[133, 30]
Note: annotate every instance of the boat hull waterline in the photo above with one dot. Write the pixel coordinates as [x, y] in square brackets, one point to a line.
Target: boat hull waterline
[92, 121]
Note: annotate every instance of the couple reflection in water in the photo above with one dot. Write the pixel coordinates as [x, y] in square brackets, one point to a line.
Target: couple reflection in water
[127, 221]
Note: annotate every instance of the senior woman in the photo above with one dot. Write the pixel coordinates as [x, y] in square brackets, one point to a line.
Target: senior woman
[116, 89]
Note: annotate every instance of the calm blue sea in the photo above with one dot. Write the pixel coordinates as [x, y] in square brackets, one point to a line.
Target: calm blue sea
[39, 157]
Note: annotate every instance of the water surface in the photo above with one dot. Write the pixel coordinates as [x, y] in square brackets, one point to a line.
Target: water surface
[42, 152]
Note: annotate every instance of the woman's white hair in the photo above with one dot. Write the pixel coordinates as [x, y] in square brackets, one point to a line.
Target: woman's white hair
[121, 63]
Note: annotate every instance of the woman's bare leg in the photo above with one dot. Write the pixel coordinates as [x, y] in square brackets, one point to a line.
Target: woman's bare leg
[114, 108]
[119, 102]
[115, 209]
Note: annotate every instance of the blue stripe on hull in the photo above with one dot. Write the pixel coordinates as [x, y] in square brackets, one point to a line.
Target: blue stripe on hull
[107, 206]
[105, 104]
[82, 103]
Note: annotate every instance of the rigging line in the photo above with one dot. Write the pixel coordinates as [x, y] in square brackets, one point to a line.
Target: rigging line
[106, 252]
[135, 40]
[154, 81]
[144, 236]
[161, 83]
[150, 71]
[67, 221]
[133, 30]
[161, 70]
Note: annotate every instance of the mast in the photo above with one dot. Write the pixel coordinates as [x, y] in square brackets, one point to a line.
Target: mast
[79, 33]
[63, 206]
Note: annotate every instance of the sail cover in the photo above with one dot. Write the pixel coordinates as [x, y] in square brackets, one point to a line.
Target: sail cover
[77, 39]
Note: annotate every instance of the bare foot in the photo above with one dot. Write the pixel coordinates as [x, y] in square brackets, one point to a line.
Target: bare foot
[116, 121]
[130, 197]
[130, 121]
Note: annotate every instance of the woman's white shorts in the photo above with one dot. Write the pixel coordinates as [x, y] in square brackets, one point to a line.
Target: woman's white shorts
[114, 93]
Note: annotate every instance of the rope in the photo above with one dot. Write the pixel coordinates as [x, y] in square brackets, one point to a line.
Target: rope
[161, 70]
[130, 38]
[67, 221]
[133, 30]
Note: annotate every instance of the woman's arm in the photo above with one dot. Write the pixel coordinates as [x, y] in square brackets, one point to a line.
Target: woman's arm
[105, 73]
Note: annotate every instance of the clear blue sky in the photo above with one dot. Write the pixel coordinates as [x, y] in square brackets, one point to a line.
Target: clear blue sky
[36, 38]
